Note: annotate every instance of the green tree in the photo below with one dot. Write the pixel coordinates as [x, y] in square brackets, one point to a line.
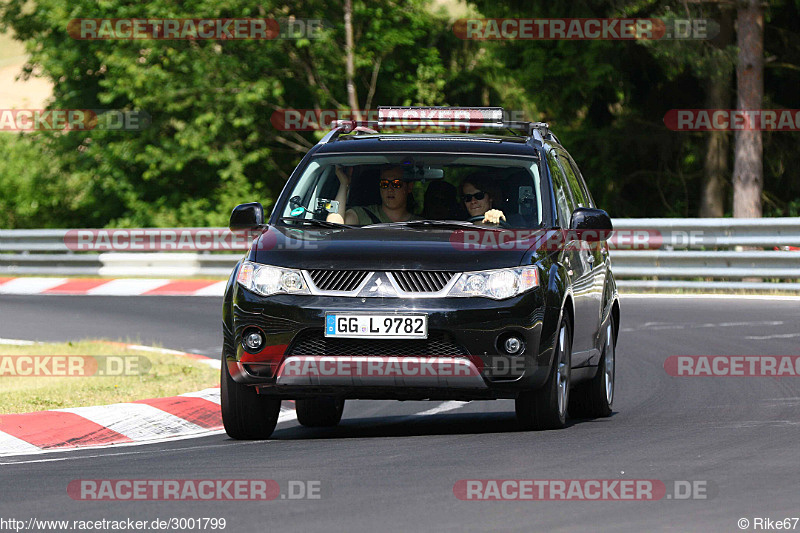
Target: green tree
[211, 143]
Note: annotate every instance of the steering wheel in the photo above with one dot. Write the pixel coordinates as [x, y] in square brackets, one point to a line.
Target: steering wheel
[479, 218]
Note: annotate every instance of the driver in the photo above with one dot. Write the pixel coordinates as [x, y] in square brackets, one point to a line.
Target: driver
[478, 201]
[394, 200]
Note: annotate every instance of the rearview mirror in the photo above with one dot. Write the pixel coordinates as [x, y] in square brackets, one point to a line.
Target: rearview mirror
[245, 217]
[591, 224]
[415, 173]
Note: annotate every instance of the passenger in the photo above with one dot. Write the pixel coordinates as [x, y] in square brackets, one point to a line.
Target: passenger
[441, 202]
[394, 200]
[478, 200]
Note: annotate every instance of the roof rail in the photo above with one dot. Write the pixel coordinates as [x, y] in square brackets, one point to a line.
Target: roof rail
[440, 116]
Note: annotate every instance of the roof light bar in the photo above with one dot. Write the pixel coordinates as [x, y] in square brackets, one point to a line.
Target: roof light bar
[440, 114]
[466, 118]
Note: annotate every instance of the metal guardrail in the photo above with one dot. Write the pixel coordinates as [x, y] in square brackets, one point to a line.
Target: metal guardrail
[697, 233]
[650, 253]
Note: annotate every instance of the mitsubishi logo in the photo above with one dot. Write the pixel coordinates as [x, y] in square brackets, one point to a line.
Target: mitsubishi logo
[378, 287]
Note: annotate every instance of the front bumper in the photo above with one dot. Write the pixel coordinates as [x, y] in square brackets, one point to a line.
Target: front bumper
[467, 330]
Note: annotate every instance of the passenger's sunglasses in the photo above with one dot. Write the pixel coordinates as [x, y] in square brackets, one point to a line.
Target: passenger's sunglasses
[394, 184]
[480, 195]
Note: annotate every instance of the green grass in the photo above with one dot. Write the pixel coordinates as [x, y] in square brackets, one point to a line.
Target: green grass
[168, 375]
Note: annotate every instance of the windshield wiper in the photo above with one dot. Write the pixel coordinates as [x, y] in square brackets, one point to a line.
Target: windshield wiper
[427, 222]
[315, 222]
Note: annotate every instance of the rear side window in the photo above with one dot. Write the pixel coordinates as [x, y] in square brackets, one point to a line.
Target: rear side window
[573, 180]
[579, 179]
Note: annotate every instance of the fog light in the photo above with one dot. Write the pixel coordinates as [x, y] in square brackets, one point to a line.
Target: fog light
[253, 340]
[513, 345]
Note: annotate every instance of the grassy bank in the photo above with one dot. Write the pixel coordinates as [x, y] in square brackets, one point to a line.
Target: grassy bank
[149, 375]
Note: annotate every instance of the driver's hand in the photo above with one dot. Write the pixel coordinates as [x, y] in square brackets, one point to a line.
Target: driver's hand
[493, 216]
[344, 177]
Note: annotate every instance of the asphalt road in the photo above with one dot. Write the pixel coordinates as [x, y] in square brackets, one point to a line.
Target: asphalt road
[389, 468]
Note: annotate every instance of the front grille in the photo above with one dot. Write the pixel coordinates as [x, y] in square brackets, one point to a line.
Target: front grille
[315, 343]
[422, 280]
[337, 280]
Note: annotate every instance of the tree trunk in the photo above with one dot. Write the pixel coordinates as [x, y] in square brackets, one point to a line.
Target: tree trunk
[748, 171]
[349, 49]
[718, 96]
[716, 173]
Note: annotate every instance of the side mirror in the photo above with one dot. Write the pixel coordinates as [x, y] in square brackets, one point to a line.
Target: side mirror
[245, 217]
[591, 225]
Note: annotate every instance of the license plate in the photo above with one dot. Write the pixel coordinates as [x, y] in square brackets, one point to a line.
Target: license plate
[376, 326]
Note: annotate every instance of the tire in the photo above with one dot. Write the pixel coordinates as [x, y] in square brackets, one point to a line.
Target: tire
[246, 414]
[546, 407]
[324, 411]
[595, 398]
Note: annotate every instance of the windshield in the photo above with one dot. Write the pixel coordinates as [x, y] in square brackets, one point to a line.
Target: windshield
[382, 189]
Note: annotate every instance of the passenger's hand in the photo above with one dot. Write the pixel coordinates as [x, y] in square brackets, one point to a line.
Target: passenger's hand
[493, 216]
[344, 177]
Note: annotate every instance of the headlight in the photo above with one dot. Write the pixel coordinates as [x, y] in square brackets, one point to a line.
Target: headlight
[267, 280]
[496, 284]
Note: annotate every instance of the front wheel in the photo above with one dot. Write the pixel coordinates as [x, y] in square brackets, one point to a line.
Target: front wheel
[246, 414]
[546, 408]
[324, 411]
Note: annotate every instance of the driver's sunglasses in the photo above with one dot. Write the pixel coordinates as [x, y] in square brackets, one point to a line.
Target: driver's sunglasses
[480, 195]
[395, 184]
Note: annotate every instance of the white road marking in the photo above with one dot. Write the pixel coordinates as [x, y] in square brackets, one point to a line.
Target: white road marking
[154, 349]
[708, 325]
[212, 395]
[286, 415]
[757, 423]
[128, 287]
[213, 363]
[217, 289]
[71, 457]
[137, 421]
[30, 285]
[16, 446]
[18, 342]
[776, 336]
[626, 295]
[442, 408]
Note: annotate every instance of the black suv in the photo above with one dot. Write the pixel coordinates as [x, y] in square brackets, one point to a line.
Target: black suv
[439, 254]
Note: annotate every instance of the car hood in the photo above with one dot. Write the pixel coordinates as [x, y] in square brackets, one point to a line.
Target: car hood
[390, 248]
